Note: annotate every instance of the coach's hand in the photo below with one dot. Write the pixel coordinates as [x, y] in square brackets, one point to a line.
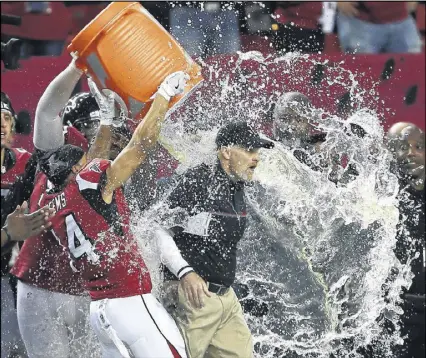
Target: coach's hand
[194, 288]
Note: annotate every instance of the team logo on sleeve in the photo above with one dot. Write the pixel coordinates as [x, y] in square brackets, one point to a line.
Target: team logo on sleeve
[95, 168]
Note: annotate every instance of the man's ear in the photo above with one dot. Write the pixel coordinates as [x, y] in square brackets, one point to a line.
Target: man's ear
[225, 152]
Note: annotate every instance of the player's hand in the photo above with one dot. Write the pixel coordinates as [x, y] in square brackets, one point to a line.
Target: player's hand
[194, 288]
[173, 85]
[73, 63]
[348, 8]
[22, 226]
[106, 103]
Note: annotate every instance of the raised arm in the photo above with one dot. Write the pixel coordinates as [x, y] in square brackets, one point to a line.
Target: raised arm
[48, 129]
[145, 136]
[102, 142]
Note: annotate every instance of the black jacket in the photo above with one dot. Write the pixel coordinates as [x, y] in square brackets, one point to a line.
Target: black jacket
[217, 219]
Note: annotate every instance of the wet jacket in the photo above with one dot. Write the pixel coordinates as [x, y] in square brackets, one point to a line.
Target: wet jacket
[216, 221]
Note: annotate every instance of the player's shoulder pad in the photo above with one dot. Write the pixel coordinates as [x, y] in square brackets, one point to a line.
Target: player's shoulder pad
[90, 176]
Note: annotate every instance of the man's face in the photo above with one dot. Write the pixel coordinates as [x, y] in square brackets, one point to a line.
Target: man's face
[118, 142]
[292, 126]
[409, 150]
[89, 129]
[6, 128]
[243, 162]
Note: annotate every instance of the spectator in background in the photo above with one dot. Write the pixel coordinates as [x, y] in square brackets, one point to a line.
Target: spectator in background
[13, 163]
[47, 25]
[298, 27]
[407, 142]
[375, 27]
[206, 28]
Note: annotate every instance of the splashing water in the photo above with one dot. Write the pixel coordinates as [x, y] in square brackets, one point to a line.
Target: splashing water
[317, 253]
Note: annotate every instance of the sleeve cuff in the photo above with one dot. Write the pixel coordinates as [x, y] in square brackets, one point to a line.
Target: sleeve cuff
[184, 271]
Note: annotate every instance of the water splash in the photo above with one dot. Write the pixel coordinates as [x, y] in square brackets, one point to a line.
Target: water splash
[316, 252]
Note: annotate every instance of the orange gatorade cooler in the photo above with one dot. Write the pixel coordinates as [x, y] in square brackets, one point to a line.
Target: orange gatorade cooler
[124, 49]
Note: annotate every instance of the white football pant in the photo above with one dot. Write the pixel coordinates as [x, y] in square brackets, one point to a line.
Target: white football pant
[54, 324]
[136, 326]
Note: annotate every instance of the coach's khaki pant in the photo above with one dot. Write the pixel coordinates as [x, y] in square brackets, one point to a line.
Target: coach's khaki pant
[218, 330]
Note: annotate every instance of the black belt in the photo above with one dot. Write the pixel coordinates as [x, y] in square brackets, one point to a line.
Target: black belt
[219, 290]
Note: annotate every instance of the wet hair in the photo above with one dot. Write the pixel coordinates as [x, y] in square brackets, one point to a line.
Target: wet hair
[57, 164]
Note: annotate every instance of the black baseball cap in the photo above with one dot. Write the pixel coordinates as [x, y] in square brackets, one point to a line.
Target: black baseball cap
[240, 133]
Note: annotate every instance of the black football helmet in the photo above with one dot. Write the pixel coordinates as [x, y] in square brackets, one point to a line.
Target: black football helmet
[82, 112]
[6, 104]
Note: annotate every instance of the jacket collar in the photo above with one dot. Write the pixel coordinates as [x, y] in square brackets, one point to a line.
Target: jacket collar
[224, 178]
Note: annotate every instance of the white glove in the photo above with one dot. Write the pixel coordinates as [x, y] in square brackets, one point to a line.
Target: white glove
[106, 105]
[173, 85]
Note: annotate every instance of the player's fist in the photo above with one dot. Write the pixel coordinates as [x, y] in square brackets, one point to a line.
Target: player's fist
[173, 84]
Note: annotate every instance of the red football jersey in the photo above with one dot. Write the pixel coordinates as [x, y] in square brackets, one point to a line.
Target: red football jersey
[97, 235]
[42, 261]
[19, 158]
[13, 167]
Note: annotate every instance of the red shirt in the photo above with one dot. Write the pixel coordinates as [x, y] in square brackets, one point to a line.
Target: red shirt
[42, 262]
[386, 12]
[18, 160]
[15, 161]
[97, 236]
[74, 137]
[302, 14]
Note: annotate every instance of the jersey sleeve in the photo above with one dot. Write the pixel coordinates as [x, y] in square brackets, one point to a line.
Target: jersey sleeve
[91, 181]
[74, 137]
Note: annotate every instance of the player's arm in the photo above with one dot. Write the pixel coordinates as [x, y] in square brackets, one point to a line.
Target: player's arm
[145, 136]
[186, 195]
[194, 287]
[48, 129]
[102, 143]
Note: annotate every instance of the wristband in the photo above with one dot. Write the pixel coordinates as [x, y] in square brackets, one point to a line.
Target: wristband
[184, 271]
[105, 119]
[163, 93]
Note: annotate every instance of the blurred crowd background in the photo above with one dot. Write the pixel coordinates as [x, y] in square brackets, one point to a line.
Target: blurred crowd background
[213, 27]
[383, 40]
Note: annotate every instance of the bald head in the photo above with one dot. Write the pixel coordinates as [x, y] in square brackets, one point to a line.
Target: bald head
[396, 129]
[291, 116]
[407, 142]
[290, 101]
